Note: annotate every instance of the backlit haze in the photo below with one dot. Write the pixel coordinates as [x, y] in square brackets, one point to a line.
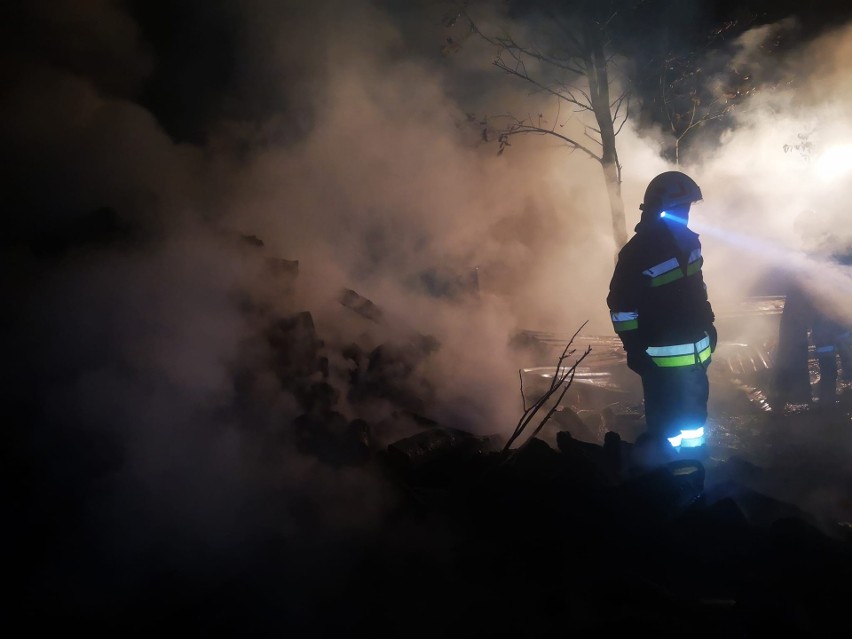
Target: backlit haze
[339, 138]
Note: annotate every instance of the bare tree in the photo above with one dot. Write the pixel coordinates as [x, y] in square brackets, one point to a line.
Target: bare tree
[701, 78]
[701, 85]
[570, 63]
[684, 103]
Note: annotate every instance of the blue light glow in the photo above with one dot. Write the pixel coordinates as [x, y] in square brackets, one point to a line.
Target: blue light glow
[822, 271]
[688, 438]
[674, 218]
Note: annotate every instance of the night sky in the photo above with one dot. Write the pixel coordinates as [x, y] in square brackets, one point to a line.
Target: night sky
[145, 144]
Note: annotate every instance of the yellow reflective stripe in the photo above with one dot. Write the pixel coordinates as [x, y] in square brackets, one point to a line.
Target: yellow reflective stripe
[629, 325]
[671, 276]
[682, 360]
[670, 270]
[624, 320]
[694, 267]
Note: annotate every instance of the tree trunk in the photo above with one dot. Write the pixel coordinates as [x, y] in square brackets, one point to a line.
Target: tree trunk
[616, 205]
[599, 90]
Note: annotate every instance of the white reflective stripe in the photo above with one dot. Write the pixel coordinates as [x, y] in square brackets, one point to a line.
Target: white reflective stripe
[678, 349]
[623, 316]
[692, 432]
[688, 438]
[659, 269]
[692, 442]
[696, 253]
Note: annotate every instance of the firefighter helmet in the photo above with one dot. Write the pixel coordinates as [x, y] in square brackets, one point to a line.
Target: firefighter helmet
[668, 190]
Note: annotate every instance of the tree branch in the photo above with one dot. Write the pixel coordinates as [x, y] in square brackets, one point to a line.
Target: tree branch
[562, 378]
[500, 64]
[519, 126]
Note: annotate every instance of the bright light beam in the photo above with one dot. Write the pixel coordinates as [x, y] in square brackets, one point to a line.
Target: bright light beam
[770, 250]
[834, 162]
[674, 218]
[833, 278]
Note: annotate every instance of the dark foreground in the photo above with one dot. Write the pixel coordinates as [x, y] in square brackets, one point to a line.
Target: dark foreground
[563, 540]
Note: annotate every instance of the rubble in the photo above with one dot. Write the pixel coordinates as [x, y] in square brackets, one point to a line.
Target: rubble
[563, 533]
[567, 527]
[605, 550]
[361, 305]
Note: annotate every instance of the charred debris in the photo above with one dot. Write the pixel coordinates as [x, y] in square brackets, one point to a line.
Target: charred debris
[548, 530]
[554, 528]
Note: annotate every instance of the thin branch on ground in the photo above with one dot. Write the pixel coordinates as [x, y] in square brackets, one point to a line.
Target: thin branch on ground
[560, 382]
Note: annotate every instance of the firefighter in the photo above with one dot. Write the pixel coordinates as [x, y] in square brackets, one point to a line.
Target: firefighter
[807, 320]
[831, 342]
[804, 324]
[791, 383]
[659, 308]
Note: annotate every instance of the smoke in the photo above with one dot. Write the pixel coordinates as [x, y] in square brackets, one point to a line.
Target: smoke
[774, 217]
[339, 143]
[762, 177]
[139, 305]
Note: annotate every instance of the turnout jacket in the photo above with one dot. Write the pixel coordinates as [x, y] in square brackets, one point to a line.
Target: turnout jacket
[657, 297]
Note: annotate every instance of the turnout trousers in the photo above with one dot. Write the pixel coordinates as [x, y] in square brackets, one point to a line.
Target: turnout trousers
[675, 398]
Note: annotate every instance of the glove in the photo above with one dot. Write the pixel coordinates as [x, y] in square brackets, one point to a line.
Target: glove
[714, 338]
[639, 361]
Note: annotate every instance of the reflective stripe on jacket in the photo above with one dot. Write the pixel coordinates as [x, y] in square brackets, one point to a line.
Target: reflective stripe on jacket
[681, 354]
[670, 270]
[624, 320]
